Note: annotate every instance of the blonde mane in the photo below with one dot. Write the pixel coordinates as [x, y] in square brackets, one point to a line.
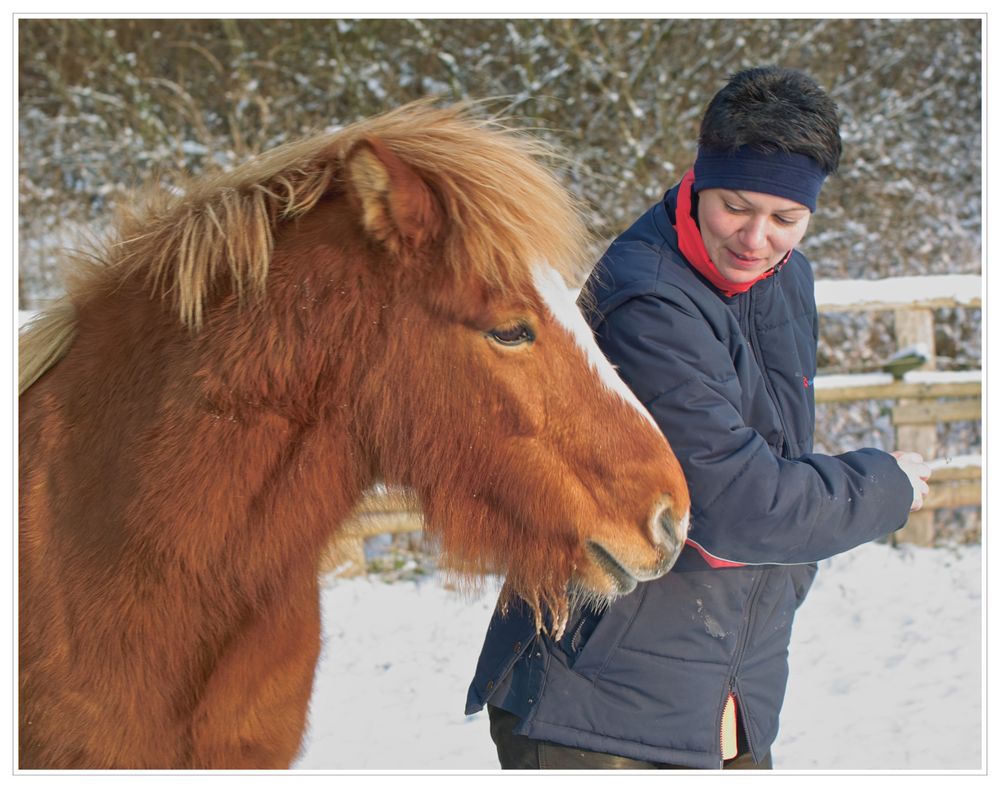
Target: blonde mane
[505, 212]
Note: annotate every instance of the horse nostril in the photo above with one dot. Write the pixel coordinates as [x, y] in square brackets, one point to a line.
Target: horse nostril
[666, 524]
[667, 531]
[672, 532]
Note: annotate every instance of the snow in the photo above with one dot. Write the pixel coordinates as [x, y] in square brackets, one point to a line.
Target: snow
[961, 288]
[848, 381]
[886, 670]
[884, 378]
[963, 461]
[956, 376]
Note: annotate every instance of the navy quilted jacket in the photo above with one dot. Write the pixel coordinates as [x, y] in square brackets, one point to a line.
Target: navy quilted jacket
[729, 381]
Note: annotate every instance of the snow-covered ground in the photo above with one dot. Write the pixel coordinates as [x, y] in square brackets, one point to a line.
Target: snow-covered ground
[886, 670]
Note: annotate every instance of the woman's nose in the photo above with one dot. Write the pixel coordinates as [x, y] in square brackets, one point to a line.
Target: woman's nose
[754, 233]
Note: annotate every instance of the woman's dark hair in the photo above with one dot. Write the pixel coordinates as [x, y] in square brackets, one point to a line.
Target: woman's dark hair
[774, 109]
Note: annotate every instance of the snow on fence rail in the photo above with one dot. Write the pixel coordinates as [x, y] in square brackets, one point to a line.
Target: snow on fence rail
[900, 292]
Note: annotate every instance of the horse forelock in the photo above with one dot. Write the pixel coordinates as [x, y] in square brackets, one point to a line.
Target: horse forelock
[502, 208]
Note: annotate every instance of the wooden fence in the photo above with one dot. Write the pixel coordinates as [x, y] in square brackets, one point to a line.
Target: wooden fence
[923, 398]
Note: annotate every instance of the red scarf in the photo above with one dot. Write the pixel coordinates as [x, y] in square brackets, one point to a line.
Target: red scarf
[693, 247]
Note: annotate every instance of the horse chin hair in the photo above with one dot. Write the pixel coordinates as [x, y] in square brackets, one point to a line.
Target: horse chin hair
[553, 614]
[580, 597]
[553, 621]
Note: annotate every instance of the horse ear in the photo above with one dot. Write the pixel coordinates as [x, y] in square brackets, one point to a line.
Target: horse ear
[398, 208]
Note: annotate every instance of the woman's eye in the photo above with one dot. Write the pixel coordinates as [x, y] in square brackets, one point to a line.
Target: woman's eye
[783, 221]
[733, 208]
[512, 335]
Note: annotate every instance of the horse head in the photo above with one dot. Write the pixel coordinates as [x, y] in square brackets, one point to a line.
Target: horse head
[490, 397]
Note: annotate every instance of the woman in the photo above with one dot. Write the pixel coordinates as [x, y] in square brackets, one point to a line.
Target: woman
[708, 312]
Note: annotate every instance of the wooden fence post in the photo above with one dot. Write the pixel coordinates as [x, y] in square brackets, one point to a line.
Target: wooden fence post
[915, 326]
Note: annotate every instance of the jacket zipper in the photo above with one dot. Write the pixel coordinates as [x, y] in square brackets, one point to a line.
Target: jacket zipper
[751, 337]
[574, 641]
[741, 645]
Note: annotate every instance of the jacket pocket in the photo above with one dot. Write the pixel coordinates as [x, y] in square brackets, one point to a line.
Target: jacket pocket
[579, 632]
[600, 633]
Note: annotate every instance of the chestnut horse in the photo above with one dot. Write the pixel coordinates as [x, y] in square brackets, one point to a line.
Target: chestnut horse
[244, 359]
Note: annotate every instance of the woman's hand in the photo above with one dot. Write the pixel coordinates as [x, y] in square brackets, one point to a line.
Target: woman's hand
[918, 472]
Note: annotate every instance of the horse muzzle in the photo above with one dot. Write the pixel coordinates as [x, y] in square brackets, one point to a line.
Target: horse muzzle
[668, 532]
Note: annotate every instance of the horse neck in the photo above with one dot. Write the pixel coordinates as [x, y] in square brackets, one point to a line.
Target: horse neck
[289, 384]
[205, 458]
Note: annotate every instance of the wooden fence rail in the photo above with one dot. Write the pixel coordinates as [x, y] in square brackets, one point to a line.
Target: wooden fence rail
[924, 399]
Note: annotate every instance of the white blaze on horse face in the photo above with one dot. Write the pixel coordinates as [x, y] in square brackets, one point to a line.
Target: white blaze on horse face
[560, 301]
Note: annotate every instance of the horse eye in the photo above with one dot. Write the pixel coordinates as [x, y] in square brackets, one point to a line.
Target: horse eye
[513, 335]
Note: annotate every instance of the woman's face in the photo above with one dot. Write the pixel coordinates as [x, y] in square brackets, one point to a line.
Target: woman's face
[748, 233]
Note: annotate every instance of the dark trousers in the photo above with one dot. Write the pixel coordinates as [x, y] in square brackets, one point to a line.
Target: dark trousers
[520, 752]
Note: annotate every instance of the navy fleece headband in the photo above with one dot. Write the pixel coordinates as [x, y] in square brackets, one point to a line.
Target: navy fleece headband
[790, 175]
